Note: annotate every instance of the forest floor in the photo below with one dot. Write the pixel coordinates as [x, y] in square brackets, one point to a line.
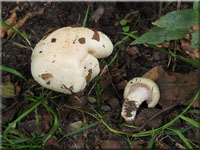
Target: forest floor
[105, 98]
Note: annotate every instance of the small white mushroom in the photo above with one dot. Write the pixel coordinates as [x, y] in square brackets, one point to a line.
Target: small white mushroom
[66, 60]
[136, 92]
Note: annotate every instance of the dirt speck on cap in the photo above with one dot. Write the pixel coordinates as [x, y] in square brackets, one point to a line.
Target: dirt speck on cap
[88, 77]
[81, 40]
[96, 36]
[46, 76]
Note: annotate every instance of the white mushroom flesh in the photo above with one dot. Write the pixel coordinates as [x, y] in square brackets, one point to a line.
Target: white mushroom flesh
[66, 60]
[136, 92]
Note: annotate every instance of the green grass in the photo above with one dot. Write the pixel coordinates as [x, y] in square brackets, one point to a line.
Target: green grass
[10, 70]
[155, 132]
[86, 16]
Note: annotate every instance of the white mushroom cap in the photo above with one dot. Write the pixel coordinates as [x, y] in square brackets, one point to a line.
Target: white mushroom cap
[136, 92]
[66, 60]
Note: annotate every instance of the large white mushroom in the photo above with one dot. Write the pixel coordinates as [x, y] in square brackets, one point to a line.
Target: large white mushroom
[66, 60]
[136, 92]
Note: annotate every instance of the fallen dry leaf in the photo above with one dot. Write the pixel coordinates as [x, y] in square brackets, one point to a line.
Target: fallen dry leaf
[186, 84]
[173, 86]
[132, 50]
[30, 126]
[10, 112]
[52, 144]
[21, 22]
[187, 47]
[12, 22]
[121, 85]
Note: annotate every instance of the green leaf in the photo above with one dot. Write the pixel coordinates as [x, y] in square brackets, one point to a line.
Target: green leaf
[158, 35]
[195, 42]
[123, 22]
[179, 19]
[196, 4]
[125, 29]
[7, 90]
[2, 106]
[194, 123]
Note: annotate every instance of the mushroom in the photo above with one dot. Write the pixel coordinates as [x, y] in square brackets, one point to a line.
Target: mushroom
[136, 92]
[66, 60]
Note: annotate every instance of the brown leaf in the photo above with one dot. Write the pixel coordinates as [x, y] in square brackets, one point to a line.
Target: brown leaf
[166, 44]
[52, 144]
[21, 22]
[187, 83]
[121, 85]
[132, 50]
[31, 127]
[10, 21]
[173, 86]
[191, 51]
[157, 73]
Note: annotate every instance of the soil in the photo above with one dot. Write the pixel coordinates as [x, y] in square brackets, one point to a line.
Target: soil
[127, 66]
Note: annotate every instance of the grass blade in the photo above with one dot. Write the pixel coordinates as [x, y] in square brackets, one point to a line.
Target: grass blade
[13, 72]
[86, 16]
[181, 130]
[150, 144]
[194, 123]
[79, 130]
[56, 123]
[182, 137]
[196, 111]
[21, 117]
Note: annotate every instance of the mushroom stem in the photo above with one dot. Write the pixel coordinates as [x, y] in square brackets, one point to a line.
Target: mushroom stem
[133, 102]
[136, 92]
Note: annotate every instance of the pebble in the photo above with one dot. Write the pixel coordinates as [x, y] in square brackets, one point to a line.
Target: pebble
[92, 100]
[105, 108]
[75, 125]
